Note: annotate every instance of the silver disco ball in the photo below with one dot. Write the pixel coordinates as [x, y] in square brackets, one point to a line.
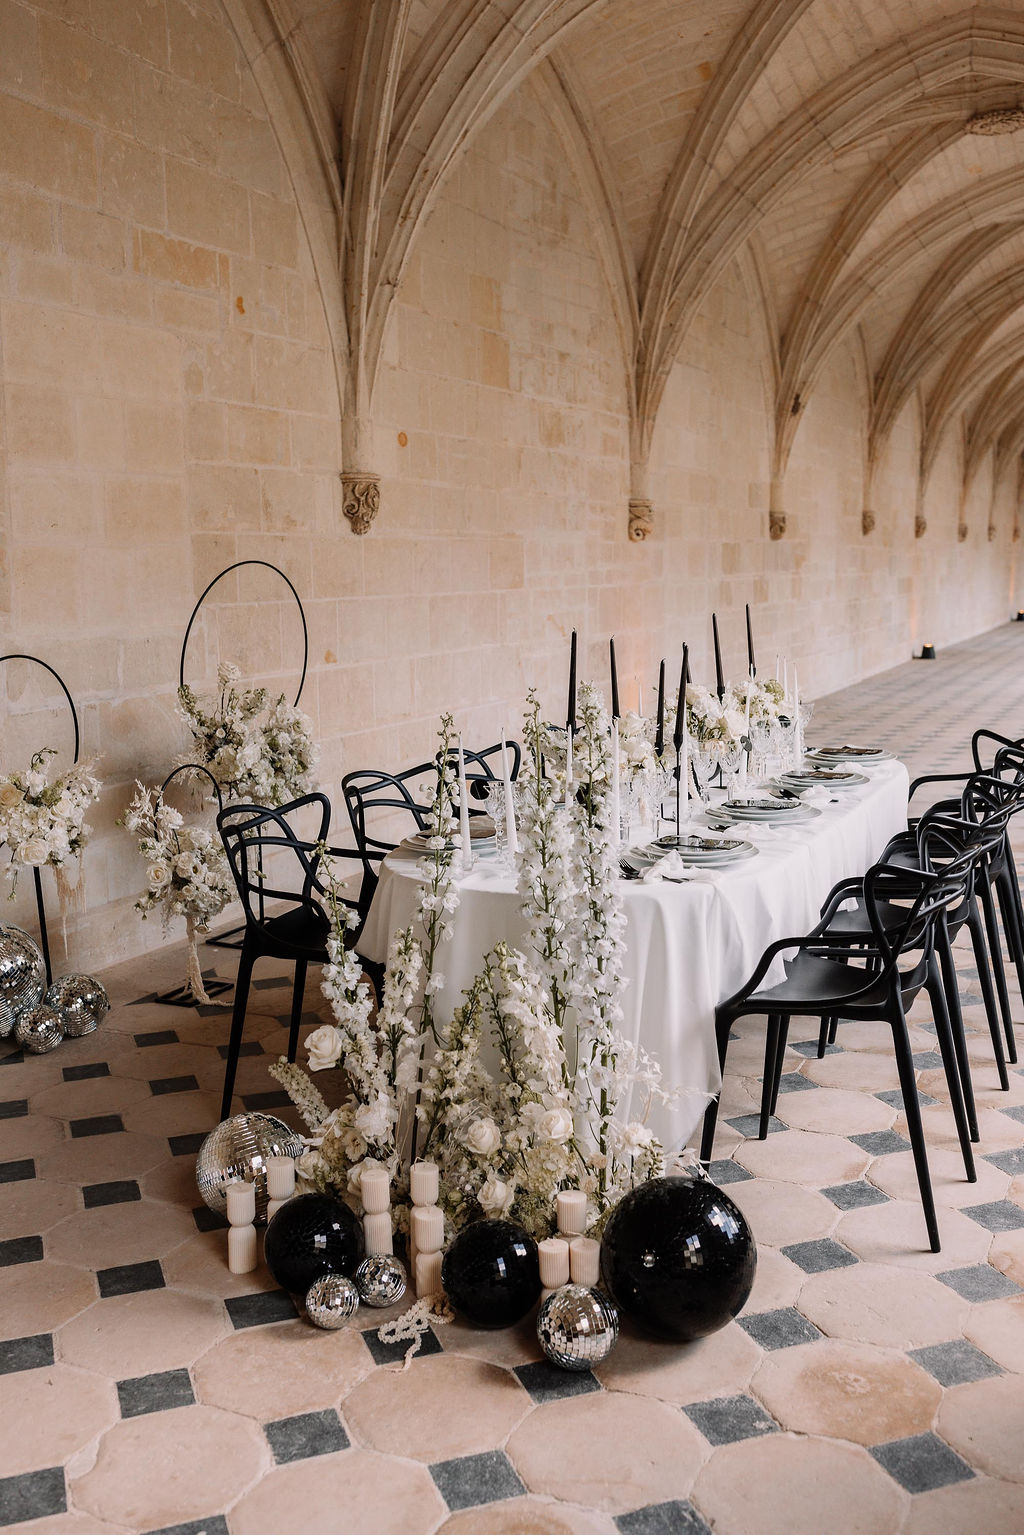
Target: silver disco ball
[22, 975]
[380, 1280]
[577, 1327]
[239, 1148]
[38, 1029]
[332, 1300]
[82, 1003]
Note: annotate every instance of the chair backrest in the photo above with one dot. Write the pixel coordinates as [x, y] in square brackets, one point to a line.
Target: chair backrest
[990, 799]
[925, 895]
[483, 767]
[254, 836]
[381, 804]
[991, 735]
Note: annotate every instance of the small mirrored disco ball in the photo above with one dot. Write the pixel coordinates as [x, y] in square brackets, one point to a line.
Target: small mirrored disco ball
[22, 975]
[38, 1029]
[239, 1148]
[81, 1002]
[332, 1301]
[577, 1327]
[380, 1280]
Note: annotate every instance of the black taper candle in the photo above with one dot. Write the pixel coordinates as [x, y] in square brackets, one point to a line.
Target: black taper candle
[677, 733]
[752, 669]
[659, 739]
[615, 678]
[686, 657]
[719, 679]
[570, 714]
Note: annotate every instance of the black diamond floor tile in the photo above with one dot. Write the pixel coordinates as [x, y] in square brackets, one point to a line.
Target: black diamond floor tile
[124, 1192]
[796, 1082]
[215, 1525]
[14, 1108]
[819, 1256]
[97, 1124]
[779, 1329]
[21, 1250]
[15, 1058]
[185, 1145]
[156, 1037]
[894, 1099]
[749, 1125]
[248, 1047]
[880, 1143]
[1010, 1162]
[955, 1363]
[927, 1060]
[675, 1518]
[999, 1215]
[547, 1383]
[127, 1278]
[260, 1309]
[979, 1282]
[164, 1085]
[268, 982]
[809, 1049]
[921, 1463]
[209, 1220]
[87, 1072]
[476, 1479]
[260, 1102]
[305, 1435]
[17, 1172]
[1015, 1111]
[33, 1495]
[155, 1393]
[394, 1353]
[726, 1419]
[854, 1196]
[724, 1172]
[33, 1353]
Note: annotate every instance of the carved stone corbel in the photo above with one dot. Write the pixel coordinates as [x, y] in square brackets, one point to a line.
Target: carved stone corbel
[641, 519]
[961, 532]
[991, 532]
[776, 524]
[920, 526]
[867, 522]
[360, 502]
[776, 510]
[1016, 533]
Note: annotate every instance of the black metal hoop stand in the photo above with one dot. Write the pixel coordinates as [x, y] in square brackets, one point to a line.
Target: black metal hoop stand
[231, 939]
[44, 941]
[182, 996]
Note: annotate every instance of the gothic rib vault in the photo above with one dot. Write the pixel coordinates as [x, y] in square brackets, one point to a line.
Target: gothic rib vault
[862, 165]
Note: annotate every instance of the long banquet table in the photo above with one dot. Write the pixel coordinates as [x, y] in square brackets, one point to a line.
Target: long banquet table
[688, 945]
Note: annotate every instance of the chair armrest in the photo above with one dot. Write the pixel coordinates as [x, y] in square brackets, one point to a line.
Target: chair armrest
[987, 735]
[938, 778]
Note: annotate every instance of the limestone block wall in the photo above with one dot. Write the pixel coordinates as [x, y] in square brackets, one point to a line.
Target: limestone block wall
[170, 405]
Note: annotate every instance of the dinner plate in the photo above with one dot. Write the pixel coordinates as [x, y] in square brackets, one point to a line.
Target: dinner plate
[769, 818]
[764, 805]
[850, 754]
[821, 778]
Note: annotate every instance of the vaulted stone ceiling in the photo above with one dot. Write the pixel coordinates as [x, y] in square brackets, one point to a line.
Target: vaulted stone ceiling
[860, 159]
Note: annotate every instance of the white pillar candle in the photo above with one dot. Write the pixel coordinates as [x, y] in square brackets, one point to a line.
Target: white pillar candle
[585, 1261]
[280, 1177]
[785, 680]
[571, 1212]
[616, 792]
[798, 734]
[428, 1228]
[378, 1234]
[467, 844]
[778, 664]
[554, 1262]
[241, 1199]
[273, 1205]
[427, 1274]
[242, 1250]
[424, 1183]
[375, 1188]
[639, 698]
[568, 766]
[511, 838]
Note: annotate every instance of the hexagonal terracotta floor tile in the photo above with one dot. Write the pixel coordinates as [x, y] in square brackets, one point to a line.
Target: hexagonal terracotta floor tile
[396, 1411]
[998, 1329]
[831, 1110]
[277, 1372]
[96, 1095]
[984, 1421]
[36, 1205]
[110, 1235]
[804, 1157]
[855, 1071]
[360, 1493]
[782, 1213]
[981, 1505]
[847, 1391]
[128, 1335]
[103, 1158]
[528, 1516]
[895, 1234]
[891, 1307]
[777, 1282]
[719, 1365]
[608, 1451]
[37, 1297]
[59, 1410]
[895, 1174]
[201, 1264]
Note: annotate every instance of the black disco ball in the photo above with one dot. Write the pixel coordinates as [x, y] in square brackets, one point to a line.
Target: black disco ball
[491, 1273]
[678, 1257]
[311, 1235]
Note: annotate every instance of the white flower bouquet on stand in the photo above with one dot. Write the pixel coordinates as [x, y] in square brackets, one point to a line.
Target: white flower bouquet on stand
[258, 751]
[42, 820]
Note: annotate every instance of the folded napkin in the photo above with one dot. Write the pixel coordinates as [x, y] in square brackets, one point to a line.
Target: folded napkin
[816, 796]
[672, 868]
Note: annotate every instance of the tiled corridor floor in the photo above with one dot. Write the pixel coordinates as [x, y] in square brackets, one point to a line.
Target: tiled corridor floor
[869, 1387]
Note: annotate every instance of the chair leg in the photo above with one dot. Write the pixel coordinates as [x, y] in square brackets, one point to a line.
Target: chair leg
[950, 1063]
[912, 1107]
[823, 1036]
[987, 992]
[298, 994]
[951, 992]
[246, 960]
[995, 950]
[833, 1027]
[1008, 912]
[723, 1024]
[780, 1057]
[771, 1056]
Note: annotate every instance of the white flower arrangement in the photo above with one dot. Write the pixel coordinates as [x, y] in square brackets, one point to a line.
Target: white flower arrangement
[187, 871]
[258, 751]
[42, 819]
[525, 1092]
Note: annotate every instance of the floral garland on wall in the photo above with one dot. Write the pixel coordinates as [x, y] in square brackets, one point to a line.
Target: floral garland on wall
[42, 820]
[527, 1090]
[259, 751]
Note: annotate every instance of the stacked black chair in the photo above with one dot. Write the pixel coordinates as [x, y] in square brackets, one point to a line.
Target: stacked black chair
[484, 767]
[381, 804]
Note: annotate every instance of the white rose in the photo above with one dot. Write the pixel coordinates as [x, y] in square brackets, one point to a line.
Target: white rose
[158, 875]
[324, 1046]
[187, 865]
[373, 1120]
[482, 1137]
[495, 1197]
[555, 1125]
[10, 796]
[34, 851]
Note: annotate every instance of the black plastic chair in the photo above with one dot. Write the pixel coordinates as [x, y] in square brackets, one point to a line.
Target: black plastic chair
[378, 805]
[252, 835]
[483, 768]
[821, 981]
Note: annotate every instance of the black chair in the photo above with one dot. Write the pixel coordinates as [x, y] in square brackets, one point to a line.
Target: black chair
[483, 768]
[252, 836]
[822, 981]
[383, 809]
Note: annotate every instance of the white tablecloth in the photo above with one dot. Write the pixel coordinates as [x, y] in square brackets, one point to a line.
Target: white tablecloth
[688, 946]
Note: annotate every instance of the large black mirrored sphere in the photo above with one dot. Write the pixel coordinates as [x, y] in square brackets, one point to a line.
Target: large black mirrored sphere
[491, 1273]
[311, 1235]
[678, 1257]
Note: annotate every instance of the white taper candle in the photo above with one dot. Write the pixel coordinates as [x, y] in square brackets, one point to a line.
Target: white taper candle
[467, 845]
[512, 841]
